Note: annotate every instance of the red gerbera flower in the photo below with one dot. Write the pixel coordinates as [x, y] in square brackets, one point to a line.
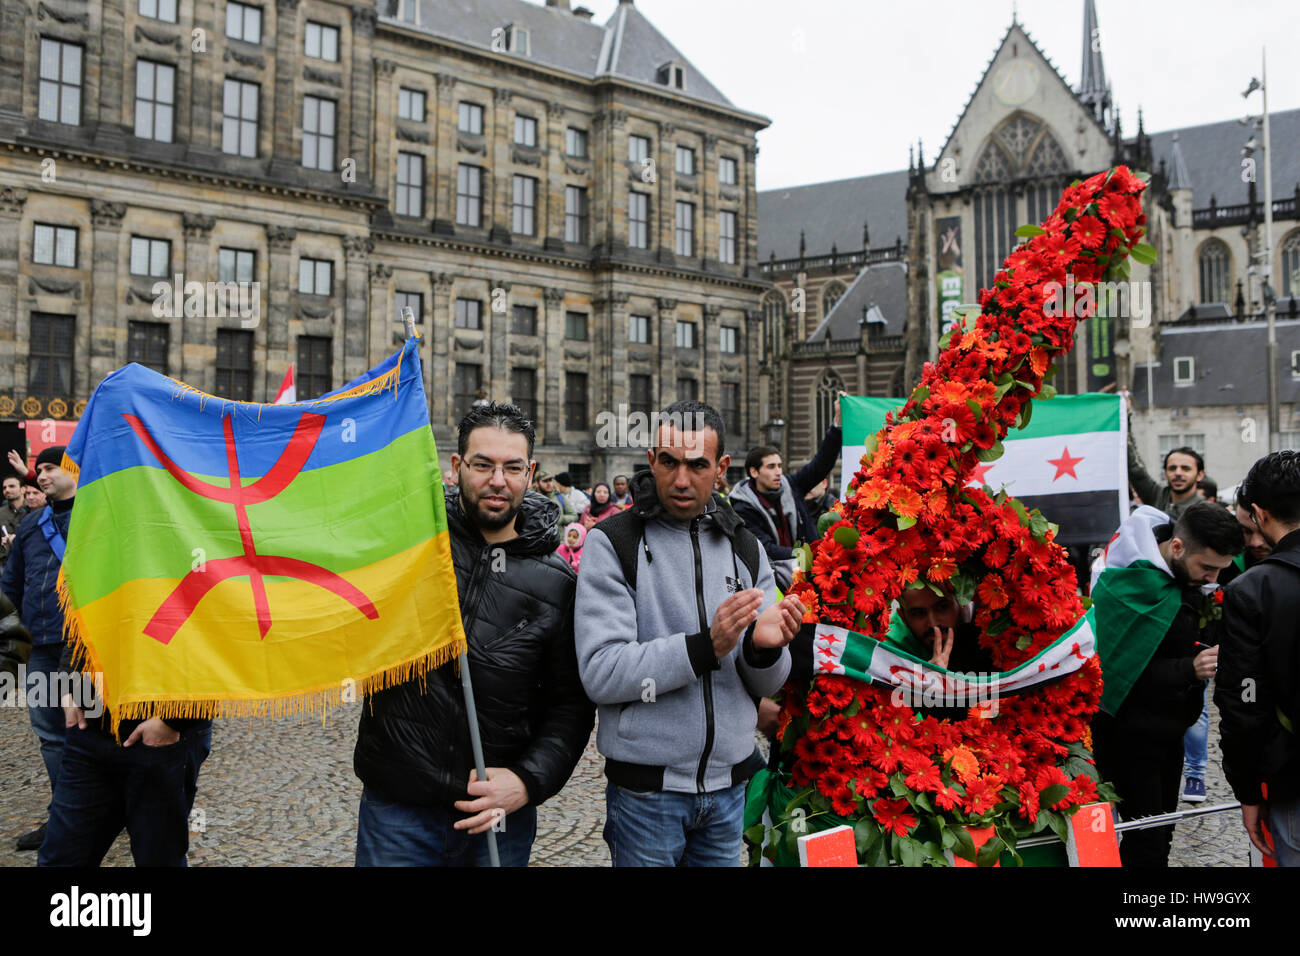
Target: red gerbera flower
[892, 816]
[983, 794]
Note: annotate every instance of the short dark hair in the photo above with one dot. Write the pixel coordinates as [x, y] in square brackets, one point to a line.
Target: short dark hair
[756, 455]
[679, 414]
[1200, 462]
[1204, 525]
[1209, 487]
[1273, 483]
[501, 415]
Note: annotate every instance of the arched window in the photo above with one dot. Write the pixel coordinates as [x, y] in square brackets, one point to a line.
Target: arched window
[1289, 283]
[834, 289]
[773, 324]
[828, 387]
[1214, 265]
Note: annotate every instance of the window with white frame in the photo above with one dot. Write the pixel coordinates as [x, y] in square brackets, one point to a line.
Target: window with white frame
[726, 236]
[524, 207]
[243, 22]
[638, 148]
[164, 10]
[685, 335]
[638, 329]
[575, 143]
[575, 214]
[1184, 370]
[235, 265]
[410, 300]
[525, 131]
[54, 245]
[315, 276]
[410, 184]
[60, 86]
[410, 105]
[638, 220]
[469, 195]
[322, 42]
[150, 257]
[727, 171]
[470, 118]
[727, 339]
[155, 97]
[239, 118]
[685, 161]
[685, 229]
[318, 133]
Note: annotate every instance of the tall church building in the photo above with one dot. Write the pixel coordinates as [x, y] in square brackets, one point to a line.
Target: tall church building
[568, 209]
[867, 272]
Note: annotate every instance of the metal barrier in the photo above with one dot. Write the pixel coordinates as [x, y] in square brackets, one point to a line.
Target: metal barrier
[1141, 823]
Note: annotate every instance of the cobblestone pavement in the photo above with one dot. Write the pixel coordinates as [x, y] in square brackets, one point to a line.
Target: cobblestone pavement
[282, 793]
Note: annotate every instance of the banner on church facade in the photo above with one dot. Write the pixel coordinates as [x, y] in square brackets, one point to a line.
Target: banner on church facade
[947, 270]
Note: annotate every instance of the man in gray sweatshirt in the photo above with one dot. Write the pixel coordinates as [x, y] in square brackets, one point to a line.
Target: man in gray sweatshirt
[678, 633]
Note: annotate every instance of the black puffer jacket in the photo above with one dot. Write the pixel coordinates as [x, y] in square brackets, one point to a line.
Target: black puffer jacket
[1258, 685]
[534, 718]
[15, 642]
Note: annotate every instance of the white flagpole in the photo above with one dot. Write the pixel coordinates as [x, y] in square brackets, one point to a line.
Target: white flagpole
[471, 713]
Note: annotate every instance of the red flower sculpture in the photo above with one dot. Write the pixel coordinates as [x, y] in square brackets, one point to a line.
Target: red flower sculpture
[914, 521]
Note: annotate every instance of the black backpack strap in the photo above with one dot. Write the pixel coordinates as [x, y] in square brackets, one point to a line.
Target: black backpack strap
[746, 547]
[624, 532]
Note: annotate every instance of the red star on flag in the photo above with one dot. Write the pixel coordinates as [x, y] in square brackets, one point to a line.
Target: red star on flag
[828, 638]
[1065, 464]
[827, 666]
[826, 652]
[977, 475]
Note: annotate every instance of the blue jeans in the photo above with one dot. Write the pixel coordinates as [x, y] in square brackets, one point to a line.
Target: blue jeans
[402, 834]
[1196, 743]
[674, 829]
[47, 722]
[1284, 824]
[104, 787]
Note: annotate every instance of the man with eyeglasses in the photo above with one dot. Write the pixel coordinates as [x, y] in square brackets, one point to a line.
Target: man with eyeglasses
[422, 804]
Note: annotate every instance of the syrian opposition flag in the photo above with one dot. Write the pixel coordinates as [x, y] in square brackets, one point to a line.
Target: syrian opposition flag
[288, 392]
[1070, 462]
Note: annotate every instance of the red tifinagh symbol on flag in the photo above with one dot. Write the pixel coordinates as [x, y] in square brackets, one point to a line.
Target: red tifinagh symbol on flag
[185, 597]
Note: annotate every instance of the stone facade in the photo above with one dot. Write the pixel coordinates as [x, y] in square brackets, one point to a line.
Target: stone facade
[187, 196]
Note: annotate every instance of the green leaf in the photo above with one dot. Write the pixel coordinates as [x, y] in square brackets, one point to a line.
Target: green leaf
[1028, 231]
[904, 523]
[935, 588]
[1055, 528]
[878, 853]
[899, 788]
[1019, 508]
[1144, 176]
[1022, 642]
[909, 851]
[756, 833]
[803, 557]
[1000, 624]
[974, 406]
[825, 521]
[963, 588]
[1047, 391]
[846, 536]
[1026, 413]
[921, 394]
[949, 837]
[866, 833]
[923, 802]
[1121, 270]
[1058, 824]
[990, 454]
[990, 852]
[1143, 253]
[964, 846]
[1053, 794]
[946, 340]
[1038, 526]
[1000, 497]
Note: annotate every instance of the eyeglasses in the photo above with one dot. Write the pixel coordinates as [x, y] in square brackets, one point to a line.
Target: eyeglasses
[514, 469]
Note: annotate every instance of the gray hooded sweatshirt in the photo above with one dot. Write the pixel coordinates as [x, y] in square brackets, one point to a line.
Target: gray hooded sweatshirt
[671, 715]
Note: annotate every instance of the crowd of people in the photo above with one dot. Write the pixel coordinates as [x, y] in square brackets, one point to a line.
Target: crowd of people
[655, 601]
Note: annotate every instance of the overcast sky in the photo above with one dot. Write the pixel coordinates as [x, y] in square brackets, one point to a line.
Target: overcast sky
[848, 84]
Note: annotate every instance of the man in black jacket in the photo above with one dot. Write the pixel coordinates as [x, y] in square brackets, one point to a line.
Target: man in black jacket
[422, 804]
[1258, 686]
[772, 504]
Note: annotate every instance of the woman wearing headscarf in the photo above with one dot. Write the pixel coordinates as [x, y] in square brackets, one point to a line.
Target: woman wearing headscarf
[601, 507]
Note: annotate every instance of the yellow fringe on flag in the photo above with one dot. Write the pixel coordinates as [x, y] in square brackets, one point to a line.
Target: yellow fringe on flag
[317, 700]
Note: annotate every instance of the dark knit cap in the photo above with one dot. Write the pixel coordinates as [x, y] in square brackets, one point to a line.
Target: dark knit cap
[53, 455]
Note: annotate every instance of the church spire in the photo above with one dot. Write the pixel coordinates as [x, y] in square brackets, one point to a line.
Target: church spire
[1093, 90]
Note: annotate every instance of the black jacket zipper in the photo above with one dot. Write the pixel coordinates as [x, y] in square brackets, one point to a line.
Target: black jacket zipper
[708, 677]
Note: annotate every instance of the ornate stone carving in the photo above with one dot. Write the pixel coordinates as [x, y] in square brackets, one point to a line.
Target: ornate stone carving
[751, 153]
[753, 316]
[381, 272]
[554, 296]
[712, 310]
[36, 286]
[470, 146]
[280, 238]
[518, 349]
[44, 12]
[468, 344]
[446, 86]
[412, 135]
[575, 354]
[618, 118]
[729, 192]
[502, 97]
[729, 366]
[104, 213]
[575, 169]
[385, 68]
[618, 298]
[196, 226]
[666, 130]
[444, 280]
[322, 76]
[686, 184]
[640, 355]
[316, 311]
[286, 6]
[153, 36]
[245, 59]
[500, 284]
[710, 142]
[555, 110]
[358, 247]
[134, 294]
[12, 199]
[666, 305]
[689, 359]
[526, 156]
[363, 21]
